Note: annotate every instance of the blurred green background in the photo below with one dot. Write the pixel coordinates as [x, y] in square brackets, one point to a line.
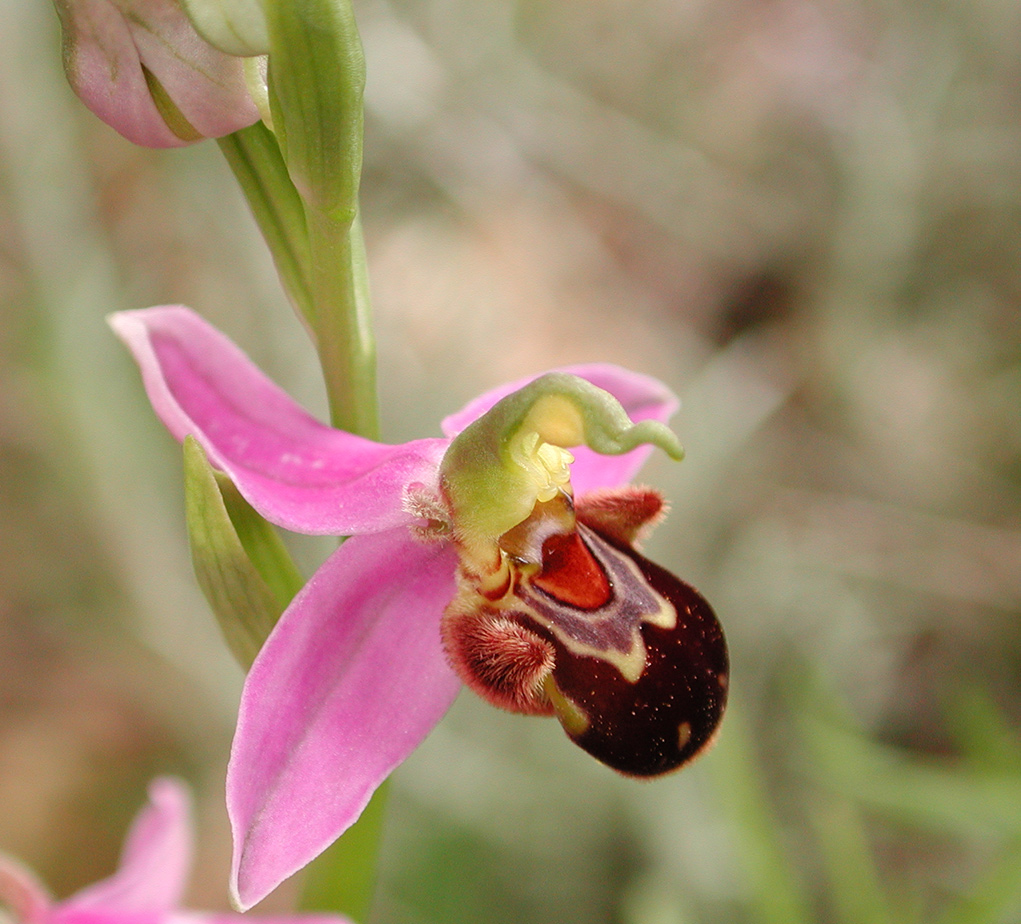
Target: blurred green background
[803, 215]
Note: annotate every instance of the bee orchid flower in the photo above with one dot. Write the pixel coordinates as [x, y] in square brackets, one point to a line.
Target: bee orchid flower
[147, 886]
[500, 556]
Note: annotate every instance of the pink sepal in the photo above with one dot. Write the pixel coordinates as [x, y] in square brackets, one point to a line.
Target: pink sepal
[348, 684]
[297, 472]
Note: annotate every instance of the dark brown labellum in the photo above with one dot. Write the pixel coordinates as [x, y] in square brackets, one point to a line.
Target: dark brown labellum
[665, 717]
[631, 660]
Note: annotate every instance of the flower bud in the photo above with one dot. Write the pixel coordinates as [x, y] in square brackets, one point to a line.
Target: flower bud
[143, 69]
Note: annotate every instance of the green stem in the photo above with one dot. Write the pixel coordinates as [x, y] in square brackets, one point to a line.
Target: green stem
[254, 156]
[322, 266]
[341, 321]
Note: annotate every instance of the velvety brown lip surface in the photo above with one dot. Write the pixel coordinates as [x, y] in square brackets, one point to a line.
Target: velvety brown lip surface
[667, 716]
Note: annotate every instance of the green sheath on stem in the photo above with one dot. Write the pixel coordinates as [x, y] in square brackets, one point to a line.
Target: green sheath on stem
[343, 324]
[316, 80]
[301, 180]
[254, 156]
[242, 566]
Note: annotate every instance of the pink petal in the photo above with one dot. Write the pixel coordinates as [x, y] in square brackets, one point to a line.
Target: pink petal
[294, 470]
[63, 915]
[154, 862]
[22, 893]
[206, 85]
[643, 397]
[347, 685]
[102, 916]
[107, 50]
[103, 66]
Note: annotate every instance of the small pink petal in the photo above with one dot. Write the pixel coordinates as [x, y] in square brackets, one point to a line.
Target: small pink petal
[110, 44]
[22, 893]
[154, 862]
[103, 916]
[206, 85]
[103, 67]
[294, 470]
[348, 684]
[71, 915]
[642, 397]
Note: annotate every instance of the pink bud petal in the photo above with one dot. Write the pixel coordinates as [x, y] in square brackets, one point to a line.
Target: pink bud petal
[110, 44]
[22, 893]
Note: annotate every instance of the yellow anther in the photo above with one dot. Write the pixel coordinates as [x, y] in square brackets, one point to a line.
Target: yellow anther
[547, 466]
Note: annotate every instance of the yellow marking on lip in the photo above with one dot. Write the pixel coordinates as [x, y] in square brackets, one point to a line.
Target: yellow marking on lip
[571, 715]
[631, 663]
[683, 735]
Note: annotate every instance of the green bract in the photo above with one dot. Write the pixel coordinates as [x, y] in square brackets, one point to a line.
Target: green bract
[316, 80]
[515, 455]
[168, 109]
[242, 567]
